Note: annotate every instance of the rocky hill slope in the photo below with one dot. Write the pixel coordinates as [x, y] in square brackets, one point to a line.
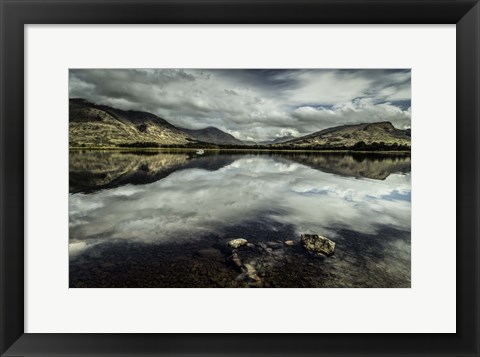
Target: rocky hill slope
[368, 136]
[100, 125]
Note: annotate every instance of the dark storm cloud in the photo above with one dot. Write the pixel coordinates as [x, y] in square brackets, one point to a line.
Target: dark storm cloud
[253, 104]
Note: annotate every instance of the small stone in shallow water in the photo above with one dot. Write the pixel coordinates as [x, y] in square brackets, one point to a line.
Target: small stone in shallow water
[236, 243]
[317, 244]
[274, 245]
[252, 278]
[249, 269]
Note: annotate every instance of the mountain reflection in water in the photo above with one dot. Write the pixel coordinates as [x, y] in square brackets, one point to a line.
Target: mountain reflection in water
[164, 219]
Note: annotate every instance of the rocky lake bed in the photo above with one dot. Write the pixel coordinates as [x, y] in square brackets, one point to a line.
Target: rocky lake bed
[259, 264]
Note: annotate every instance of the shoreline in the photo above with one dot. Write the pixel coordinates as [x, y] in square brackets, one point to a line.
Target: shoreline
[115, 148]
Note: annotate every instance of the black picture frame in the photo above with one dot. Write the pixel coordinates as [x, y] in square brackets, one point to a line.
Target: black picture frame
[15, 14]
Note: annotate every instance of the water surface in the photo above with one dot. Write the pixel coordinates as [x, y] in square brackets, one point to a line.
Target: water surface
[163, 219]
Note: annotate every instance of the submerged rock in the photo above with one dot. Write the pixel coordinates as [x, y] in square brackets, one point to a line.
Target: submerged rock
[249, 269]
[107, 265]
[236, 260]
[317, 244]
[236, 243]
[251, 276]
[210, 253]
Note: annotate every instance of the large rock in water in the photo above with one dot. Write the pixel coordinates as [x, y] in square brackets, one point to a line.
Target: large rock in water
[317, 244]
[236, 243]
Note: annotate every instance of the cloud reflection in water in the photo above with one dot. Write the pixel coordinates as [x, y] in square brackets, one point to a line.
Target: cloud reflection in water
[192, 202]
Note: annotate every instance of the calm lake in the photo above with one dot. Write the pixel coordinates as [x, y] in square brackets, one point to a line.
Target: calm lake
[163, 219]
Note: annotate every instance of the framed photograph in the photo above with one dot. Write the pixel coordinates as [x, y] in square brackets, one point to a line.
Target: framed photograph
[240, 178]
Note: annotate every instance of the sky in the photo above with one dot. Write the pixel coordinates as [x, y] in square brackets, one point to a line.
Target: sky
[253, 104]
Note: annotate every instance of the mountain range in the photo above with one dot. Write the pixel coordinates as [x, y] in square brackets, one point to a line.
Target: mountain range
[94, 125]
[213, 135]
[278, 140]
